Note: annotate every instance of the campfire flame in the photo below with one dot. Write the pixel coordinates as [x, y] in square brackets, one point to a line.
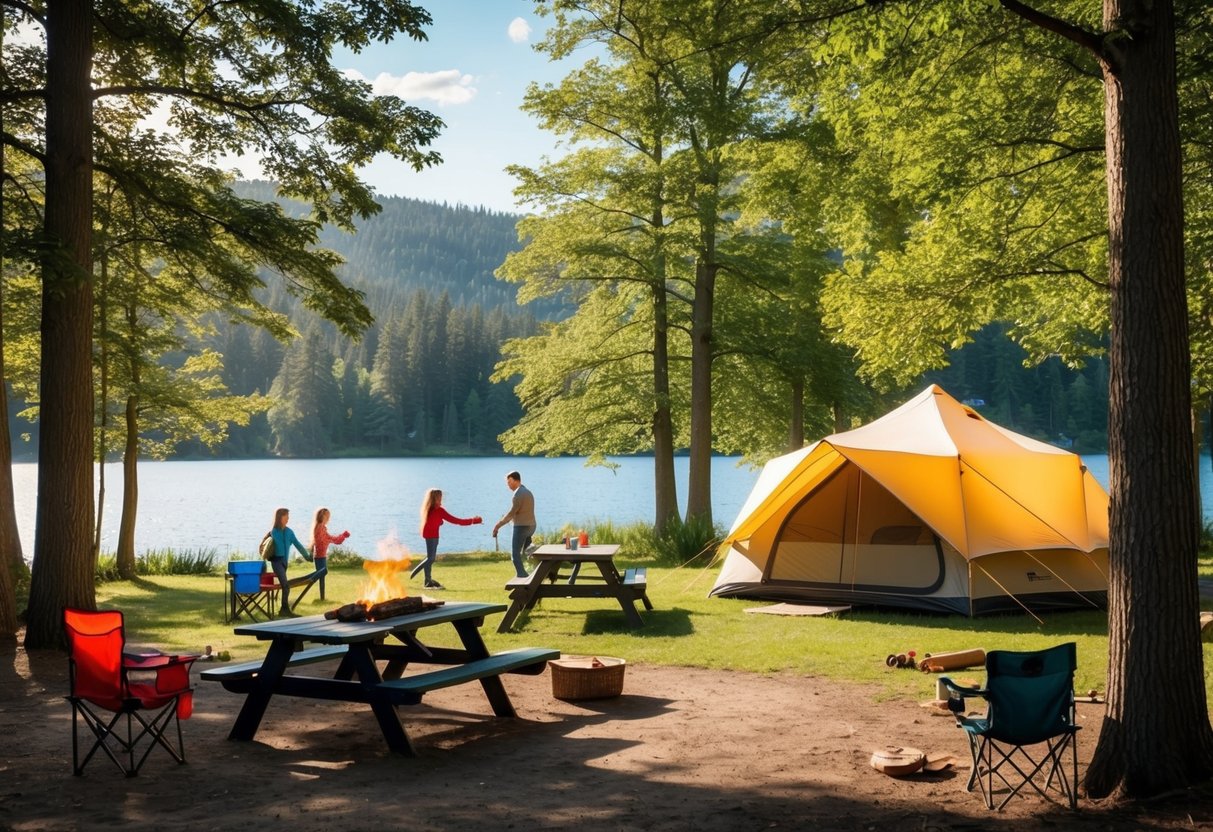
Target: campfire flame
[383, 582]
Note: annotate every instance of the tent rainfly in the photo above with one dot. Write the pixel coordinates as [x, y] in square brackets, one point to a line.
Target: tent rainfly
[930, 507]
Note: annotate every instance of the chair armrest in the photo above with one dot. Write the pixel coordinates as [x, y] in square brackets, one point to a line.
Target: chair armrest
[145, 661]
[963, 690]
[172, 673]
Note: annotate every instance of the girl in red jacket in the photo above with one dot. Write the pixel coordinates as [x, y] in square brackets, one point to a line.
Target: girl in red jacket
[432, 515]
[321, 539]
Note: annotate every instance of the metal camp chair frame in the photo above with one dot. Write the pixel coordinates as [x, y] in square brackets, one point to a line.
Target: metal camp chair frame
[1028, 727]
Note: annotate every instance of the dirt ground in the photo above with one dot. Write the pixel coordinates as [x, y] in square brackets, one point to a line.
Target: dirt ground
[681, 749]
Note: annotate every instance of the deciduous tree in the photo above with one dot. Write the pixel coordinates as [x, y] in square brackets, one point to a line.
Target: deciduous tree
[245, 77]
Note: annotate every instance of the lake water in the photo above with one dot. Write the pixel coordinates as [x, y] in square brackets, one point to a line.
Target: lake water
[228, 505]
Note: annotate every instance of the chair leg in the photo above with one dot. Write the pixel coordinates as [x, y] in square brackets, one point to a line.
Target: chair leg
[115, 739]
[1074, 763]
[154, 728]
[1028, 770]
[102, 732]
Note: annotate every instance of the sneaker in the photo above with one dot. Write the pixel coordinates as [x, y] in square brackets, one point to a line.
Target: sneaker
[434, 585]
[288, 614]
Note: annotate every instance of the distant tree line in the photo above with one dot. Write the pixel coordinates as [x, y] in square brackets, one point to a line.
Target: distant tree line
[1049, 401]
[418, 380]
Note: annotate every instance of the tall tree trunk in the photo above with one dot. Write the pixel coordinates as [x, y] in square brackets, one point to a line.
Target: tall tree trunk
[699, 479]
[796, 420]
[1152, 589]
[130, 489]
[63, 566]
[12, 559]
[665, 487]
[12, 562]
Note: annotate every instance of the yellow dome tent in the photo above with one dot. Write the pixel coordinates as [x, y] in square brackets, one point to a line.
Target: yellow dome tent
[930, 507]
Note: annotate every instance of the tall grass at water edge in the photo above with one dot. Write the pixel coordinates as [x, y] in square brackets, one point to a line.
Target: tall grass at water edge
[162, 562]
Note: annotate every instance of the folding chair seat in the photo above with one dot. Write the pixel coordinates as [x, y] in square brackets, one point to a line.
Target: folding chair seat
[251, 590]
[125, 700]
[1028, 727]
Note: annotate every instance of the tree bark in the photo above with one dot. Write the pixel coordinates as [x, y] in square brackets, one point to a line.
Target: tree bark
[1156, 736]
[699, 478]
[63, 566]
[12, 562]
[665, 487]
[130, 491]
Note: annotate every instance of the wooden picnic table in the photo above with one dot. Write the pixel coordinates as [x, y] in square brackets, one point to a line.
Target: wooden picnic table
[547, 581]
[360, 646]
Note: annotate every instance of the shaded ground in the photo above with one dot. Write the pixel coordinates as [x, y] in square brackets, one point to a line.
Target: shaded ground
[682, 749]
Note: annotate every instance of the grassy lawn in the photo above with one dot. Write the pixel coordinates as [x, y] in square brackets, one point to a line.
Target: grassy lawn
[686, 628]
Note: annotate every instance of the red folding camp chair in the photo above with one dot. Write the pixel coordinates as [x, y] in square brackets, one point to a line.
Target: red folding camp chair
[152, 690]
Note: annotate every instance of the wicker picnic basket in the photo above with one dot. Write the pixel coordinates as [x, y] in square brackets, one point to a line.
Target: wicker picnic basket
[587, 677]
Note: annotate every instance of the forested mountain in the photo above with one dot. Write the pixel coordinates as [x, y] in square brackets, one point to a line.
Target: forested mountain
[419, 377]
[412, 244]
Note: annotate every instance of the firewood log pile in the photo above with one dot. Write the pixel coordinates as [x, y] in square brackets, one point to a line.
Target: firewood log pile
[390, 608]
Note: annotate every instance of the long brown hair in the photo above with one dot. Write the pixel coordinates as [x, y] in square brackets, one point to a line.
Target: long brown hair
[433, 496]
[322, 516]
[278, 515]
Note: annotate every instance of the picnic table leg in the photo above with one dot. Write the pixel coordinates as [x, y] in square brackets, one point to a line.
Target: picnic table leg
[258, 699]
[362, 662]
[524, 597]
[469, 634]
[627, 601]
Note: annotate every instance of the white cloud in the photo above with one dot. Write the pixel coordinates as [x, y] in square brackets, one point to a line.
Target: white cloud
[519, 30]
[448, 86]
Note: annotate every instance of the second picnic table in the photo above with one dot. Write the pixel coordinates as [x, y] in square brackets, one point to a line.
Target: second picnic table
[546, 581]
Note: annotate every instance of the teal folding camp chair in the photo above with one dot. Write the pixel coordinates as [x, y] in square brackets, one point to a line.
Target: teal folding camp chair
[1030, 702]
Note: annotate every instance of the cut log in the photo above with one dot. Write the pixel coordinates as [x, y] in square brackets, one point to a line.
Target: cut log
[347, 613]
[939, 662]
[361, 611]
[401, 606]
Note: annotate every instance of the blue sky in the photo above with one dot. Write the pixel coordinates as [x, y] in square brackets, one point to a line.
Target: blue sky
[472, 73]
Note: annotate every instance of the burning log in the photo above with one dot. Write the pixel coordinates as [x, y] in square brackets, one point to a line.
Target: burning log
[347, 612]
[400, 606]
[362, 611]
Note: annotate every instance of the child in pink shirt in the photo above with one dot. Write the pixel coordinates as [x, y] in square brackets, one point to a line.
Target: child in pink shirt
[321, 539]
